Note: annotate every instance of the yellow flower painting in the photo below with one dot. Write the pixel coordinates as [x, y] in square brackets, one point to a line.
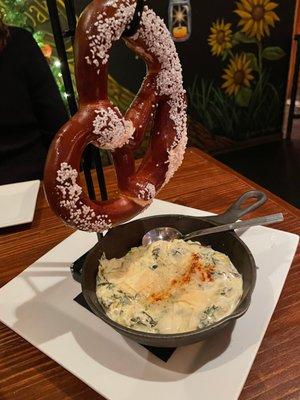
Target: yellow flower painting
[220, 38]
[237, 74]
[256, 17]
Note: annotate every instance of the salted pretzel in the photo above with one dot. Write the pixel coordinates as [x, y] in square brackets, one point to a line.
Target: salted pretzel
[98, 121]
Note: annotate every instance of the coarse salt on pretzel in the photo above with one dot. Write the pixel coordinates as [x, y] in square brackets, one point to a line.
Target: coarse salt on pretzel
[161, 98]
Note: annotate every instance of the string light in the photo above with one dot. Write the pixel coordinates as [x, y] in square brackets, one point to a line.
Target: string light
[15, 14]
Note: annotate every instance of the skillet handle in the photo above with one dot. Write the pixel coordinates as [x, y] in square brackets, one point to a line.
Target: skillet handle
[236, 211]
[76, 268]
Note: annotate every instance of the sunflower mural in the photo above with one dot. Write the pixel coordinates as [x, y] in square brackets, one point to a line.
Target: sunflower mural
[256, 17]
[220, 38]
[244, 101]
[238, 74]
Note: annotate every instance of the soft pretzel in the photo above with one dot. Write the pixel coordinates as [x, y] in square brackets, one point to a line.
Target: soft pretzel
[98, 121]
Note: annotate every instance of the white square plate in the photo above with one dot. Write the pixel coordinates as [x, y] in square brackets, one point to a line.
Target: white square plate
[17, 203]
[38, 304]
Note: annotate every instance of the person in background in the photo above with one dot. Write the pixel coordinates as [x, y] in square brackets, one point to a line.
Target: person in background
[31, 108]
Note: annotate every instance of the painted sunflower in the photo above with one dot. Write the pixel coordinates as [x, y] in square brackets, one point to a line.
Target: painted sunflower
[220, 37]
[256, 17]
[237, 74]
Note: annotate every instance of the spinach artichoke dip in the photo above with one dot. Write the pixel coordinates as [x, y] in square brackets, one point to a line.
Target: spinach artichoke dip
[168, 287]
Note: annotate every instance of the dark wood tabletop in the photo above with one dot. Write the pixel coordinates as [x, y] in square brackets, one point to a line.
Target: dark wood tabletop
[201, 182]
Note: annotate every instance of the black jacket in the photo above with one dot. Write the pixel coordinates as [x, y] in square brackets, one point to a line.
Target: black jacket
[31, 108]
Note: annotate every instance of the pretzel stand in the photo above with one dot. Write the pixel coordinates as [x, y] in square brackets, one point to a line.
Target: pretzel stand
[161, 100]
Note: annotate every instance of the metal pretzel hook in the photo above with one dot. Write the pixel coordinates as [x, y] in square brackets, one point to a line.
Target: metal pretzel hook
[135, 23]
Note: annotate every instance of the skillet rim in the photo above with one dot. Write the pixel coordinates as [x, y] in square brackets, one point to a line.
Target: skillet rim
[203, 332]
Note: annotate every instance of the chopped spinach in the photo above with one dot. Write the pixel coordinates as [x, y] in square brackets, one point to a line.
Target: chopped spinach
[122, 297]
[149, 319]
[107, 303]
[225, 291]
[210, 310]
[143, 319]
[109, 285]
[176, 252]
[208, 316]
[156, 252]
[215, 260]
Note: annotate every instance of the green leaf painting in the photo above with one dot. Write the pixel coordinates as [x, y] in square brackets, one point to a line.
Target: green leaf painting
[253, 61]
[243, 97]
[273, 53]
[241, 37]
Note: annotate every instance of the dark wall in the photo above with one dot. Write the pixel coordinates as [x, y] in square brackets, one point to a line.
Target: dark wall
[252, 112]
[195, 54]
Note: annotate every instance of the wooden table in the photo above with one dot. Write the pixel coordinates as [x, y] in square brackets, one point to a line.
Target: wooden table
[201, 182]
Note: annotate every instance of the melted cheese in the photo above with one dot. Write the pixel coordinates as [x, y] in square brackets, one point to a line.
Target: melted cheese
[169, 287]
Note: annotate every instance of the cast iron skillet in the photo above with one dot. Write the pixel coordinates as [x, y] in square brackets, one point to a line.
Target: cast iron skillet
[119, 240]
